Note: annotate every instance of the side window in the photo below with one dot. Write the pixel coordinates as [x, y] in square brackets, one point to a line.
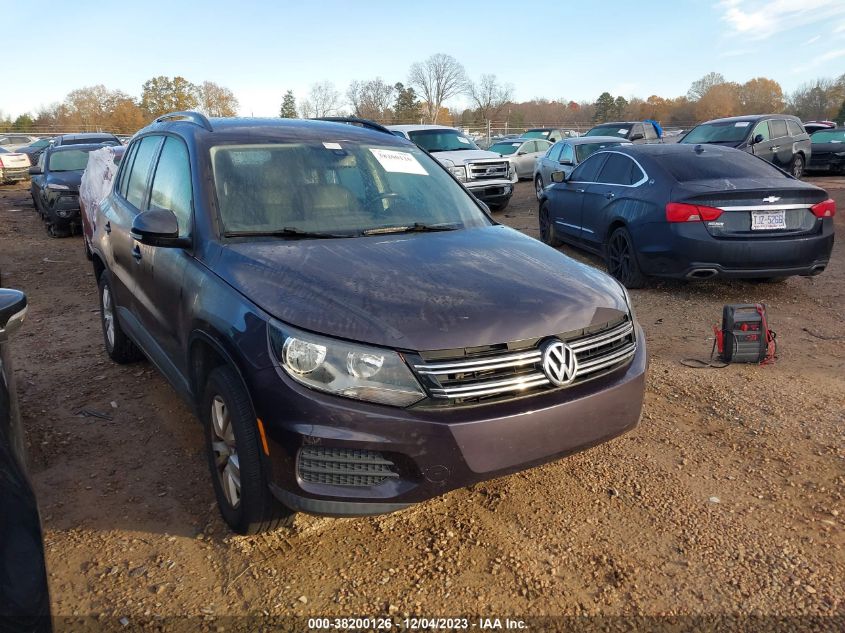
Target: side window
[620, 170]
[529, 147]
[542, 146]
[761, 128]
[128, 159]
[777, 128]
[141, 167]
[794, 128]
[171, 188]
[554, 152]
[588, 171]
[568, 153]
[650, 132]
[637, 129]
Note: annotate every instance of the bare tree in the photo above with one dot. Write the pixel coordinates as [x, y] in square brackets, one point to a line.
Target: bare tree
[323, 100]
[700, 87]
[437, 79]
[370, 99]
[489, 96]
[216, 100]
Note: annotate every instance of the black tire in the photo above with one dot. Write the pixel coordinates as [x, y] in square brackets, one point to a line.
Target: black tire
[88, 254]
[500, 206]
[547, 229]
[56, 230]
[234, 450]
[621, 259]
[796, 168]
[539, 185]
[118, 346]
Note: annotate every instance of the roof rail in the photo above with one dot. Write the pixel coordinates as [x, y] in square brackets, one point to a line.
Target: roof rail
[351, 120]
[193, 117]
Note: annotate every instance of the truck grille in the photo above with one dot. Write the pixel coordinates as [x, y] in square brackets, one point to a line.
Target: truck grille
[489, 171]
[344, 467]
[519, 372]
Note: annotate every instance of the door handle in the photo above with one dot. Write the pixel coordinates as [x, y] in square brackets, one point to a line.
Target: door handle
[775, 148]
[579, 190]
[107, 227]
[610, 195]
[136, 252]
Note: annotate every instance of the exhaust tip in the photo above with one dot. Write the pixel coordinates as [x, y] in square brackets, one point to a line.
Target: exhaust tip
[817, 270]
[702, 273]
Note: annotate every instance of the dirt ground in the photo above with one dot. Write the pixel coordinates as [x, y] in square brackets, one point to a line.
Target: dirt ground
[727, 499]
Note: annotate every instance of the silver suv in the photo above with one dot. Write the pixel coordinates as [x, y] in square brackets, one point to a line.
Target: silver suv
[487, 175]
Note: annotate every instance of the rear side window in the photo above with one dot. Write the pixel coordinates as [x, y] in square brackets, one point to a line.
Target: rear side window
[567, 153]
[718, 165]
[794, 128]
[554, 152]
[127, 167]
[620, 170]
[136, 189]
[171, 188]
[777, 128]
[588, 171]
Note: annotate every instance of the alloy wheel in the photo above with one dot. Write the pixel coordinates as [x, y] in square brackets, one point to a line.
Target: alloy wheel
[538, 185]
[798, 167]
[619, 258]
[108, 316]
[225, 451]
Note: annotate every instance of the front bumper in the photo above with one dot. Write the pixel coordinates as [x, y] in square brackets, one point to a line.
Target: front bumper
[494, 192]
[14, 174]
[687, 250]
[62, 206]
[435, 451]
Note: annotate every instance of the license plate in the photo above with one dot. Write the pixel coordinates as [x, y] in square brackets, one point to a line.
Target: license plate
[768, 220]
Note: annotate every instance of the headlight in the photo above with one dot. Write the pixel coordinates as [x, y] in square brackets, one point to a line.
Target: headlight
[459, 172]
[512, 172]
[839, 153]
[628, 301]
[344, 369]
[56, 187]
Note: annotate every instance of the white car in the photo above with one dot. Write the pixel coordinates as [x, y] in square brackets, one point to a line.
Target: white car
[12, 141]
[14, 166]
[487, 175]
[523, 153]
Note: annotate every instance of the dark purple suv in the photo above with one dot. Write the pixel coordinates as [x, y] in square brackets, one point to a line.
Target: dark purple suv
[354, 330]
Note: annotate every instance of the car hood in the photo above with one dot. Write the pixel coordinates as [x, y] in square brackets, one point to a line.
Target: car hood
[424, 291]
[463, 156]
[70, 179]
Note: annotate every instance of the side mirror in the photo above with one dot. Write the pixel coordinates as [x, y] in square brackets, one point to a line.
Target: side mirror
[558, 176]
[158, 227]
[520, 153]
[758, 138]
[566, 161]
[35, 171]
[637, 136]
[12, 312]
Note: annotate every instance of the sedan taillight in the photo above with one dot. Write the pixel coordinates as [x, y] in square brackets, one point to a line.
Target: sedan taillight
[826, 209]
[683, 212]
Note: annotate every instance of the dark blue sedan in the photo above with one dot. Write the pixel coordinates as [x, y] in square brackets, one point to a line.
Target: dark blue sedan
[689, 211]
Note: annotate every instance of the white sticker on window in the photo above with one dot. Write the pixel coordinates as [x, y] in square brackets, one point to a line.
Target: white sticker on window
[622, 131]
[516, 144]
[742, 123]
[463, 140]
[332, 146]
[401, 162]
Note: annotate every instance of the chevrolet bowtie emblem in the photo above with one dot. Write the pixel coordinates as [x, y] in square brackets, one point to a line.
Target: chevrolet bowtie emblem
[771, 199]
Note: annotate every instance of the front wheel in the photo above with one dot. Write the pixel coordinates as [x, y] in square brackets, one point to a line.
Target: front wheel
[547, 229]
[797, 166]
[539, 186]
[239, 475]
[499, 206]
[119, 347]
[621, 259]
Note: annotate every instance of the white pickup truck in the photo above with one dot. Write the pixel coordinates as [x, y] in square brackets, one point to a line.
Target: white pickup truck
[487, 175]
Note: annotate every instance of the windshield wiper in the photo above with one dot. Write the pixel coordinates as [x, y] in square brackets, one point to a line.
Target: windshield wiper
[416, 227]
[286, 232]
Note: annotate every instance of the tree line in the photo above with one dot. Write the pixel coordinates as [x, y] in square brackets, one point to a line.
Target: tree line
[430, 84]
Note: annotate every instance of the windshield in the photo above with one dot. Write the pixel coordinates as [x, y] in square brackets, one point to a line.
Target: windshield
[723, 132]
[343, 188]
[828, 136]
[537, 134]
[505, 149]
[584, 150]
[70, 160]
[617, 129]
[441, 140]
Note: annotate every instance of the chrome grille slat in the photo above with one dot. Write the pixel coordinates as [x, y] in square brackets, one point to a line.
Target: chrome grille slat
[510, 373]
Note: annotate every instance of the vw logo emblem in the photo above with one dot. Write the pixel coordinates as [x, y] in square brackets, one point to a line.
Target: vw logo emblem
[559, 362]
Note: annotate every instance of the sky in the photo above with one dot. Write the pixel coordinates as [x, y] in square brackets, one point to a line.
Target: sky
[555, 50]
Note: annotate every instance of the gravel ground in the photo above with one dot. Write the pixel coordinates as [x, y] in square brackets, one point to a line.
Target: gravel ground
[727, 499]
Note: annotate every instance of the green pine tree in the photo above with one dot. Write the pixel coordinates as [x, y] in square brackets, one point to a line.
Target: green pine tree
[406, 108]
[605, 107]
[288, 109]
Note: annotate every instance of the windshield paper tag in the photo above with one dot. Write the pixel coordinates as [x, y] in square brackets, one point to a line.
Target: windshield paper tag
[332, 146]
[622, 131]
[401, 162]
[463, 140]
[742, 123]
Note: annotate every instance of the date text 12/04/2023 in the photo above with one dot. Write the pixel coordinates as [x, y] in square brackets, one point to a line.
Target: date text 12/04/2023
[417, 624]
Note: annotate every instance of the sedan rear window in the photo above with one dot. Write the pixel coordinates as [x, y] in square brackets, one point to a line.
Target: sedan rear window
[505, 149]
[828, 136]
[716, 165]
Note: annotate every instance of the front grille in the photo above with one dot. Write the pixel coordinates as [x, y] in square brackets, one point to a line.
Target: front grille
[489, 171]
[344, 467]
[513, 373]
